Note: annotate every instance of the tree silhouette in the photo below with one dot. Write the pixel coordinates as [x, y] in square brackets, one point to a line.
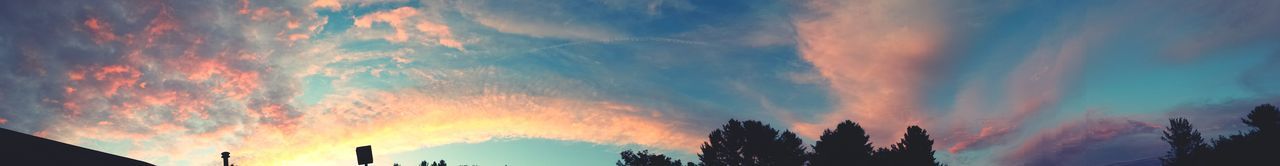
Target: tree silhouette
[644, 158]
[424, 163]
[443, 164]
[915, 149]
[752, 143]
[1264, 117]
[1185, 143]
[1237, 149]
[1255, 147]
[848, 144]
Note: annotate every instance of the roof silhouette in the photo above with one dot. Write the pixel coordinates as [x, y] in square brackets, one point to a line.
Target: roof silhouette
[20, 148]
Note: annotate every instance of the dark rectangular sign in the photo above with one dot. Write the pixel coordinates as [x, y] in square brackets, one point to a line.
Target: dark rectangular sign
[364, 154]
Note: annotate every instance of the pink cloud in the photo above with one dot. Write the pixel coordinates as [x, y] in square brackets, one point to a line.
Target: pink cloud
[1062, 143]
[101, 30]
[405, 19]
[164, 82]
[871, 59]
[1035, 85]
[169, 84]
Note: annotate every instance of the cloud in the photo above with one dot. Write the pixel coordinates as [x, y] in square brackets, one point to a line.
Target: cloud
[1041, 81]
[537, 19]
[1036, 85]
[1064, 143]
[1045, 77]
[172, 87]
[101, 31]
[406, 21]
[153, 75]
[330, 4]
[1218, 26]
[873, 61]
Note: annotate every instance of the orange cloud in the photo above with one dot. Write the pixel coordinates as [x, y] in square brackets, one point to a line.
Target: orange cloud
[395, 18]
[101, 30]
[162, 23]
[872, 59]
[403, 19]
[331, 4]
[115, 77]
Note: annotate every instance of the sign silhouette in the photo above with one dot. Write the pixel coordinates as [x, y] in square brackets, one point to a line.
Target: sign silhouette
[364, 155]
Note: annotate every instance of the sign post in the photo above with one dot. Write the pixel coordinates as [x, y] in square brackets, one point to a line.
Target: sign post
[364, 155]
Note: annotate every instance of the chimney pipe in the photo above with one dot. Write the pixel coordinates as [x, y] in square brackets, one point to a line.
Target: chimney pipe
[225, 155]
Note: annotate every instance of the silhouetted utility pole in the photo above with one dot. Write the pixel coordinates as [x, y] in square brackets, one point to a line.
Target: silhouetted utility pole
[226, 155]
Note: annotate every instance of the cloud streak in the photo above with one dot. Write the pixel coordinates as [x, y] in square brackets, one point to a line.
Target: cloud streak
[1036, 85]
[524, 18]
[1062, 144]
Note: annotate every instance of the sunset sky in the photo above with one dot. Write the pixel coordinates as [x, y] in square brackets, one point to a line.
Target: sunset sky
[574, 82]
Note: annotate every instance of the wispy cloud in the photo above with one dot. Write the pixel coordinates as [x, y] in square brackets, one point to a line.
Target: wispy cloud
[529, 18]
[1036, 85]
[1061, 145]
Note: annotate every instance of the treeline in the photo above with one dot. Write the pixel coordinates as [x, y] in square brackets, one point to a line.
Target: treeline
[425, 163]
[1254, 147]
[743, 143]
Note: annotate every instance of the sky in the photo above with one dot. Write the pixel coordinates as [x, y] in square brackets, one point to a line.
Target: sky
[569, 82]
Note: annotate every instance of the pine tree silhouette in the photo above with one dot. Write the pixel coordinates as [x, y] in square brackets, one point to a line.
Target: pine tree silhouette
[752, 143]
[1254, 147]
[644, 158]
[848, 144]
[1185, 144]
[1266, 118]
[915, 149]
